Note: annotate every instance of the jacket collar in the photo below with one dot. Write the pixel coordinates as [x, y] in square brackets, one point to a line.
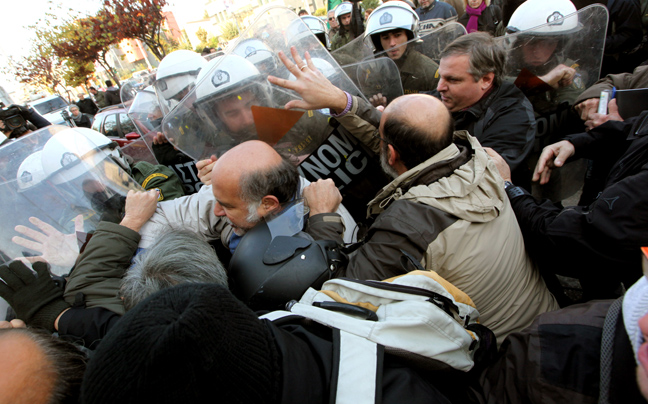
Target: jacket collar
[442, 164]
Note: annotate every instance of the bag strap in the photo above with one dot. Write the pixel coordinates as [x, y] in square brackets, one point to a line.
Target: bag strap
[355, 360]
[607, 347]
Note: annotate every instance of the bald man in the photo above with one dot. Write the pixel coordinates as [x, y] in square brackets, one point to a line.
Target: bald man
[446, 211]
[249, 181]
[37, 367]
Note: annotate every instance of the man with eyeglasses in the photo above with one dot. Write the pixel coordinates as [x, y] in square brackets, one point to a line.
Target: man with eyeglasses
[333, 23]
[446, 211]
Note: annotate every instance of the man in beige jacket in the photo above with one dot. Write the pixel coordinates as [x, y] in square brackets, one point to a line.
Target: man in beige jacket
[446, 210]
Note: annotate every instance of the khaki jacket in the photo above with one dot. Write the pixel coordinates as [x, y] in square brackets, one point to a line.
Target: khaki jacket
[451, 214]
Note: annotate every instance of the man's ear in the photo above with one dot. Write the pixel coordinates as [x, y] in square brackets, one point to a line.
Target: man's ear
[392, 155]
[269, 204]
[487, 80]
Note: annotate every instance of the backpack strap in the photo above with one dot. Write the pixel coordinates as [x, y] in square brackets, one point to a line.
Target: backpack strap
[607, 347]
[355, 359]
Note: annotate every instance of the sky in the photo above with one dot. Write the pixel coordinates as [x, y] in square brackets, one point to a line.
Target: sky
[16, 38]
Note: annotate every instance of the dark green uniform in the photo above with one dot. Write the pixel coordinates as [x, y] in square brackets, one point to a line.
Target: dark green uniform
[418, 72]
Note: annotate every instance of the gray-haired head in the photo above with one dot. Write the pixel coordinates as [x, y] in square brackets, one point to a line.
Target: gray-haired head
[177, 257]
[484, 53]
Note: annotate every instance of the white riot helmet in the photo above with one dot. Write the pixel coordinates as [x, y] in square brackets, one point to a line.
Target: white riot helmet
[145, 107]
[387, 17]
[30, 172]
[68, 154]
[317, 27]
[176, 73]
[323, 66]
[343, 8]
[226, 77]
[544, 17]
[258, 53]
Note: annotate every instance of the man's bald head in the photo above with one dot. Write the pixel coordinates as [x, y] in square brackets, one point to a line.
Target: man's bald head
[418, 126]
[245, 158]
[250, 181]
[38, 368]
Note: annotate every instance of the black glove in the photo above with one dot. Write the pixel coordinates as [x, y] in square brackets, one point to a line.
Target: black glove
[36, 300]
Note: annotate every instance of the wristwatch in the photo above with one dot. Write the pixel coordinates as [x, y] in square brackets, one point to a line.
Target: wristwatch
[512, 191]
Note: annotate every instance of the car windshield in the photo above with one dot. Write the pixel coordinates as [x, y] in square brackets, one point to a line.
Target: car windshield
[49, 106]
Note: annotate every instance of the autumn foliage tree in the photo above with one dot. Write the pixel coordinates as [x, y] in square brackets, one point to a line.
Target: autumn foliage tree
[86, 40]
[139, 19]
[41, 68]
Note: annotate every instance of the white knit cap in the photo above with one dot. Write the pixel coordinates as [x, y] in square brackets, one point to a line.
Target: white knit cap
[635, 306]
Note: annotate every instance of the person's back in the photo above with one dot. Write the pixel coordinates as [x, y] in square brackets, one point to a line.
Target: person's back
[463, 227]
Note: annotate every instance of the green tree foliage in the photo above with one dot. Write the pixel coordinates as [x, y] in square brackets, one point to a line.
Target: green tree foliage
[86, 40]
[201, 34]
[229, 31]
[76, 74]
[370, 4]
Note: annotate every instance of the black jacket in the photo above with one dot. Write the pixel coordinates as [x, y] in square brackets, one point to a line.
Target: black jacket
[559, 359]
[83, 122]
[624, 30]
[599, 243]
[87, 106]
[504, 121]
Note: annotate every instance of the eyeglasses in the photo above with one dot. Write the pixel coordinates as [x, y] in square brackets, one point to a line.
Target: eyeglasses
[376, 135]
[331, 18]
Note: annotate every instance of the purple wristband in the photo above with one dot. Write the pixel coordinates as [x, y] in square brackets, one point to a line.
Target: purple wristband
[347, 109]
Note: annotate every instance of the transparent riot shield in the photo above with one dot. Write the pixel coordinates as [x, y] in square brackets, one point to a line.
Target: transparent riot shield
[418, 59]
[51, 196]
[146, 113]
[378, 79]
[552, 64]
[233, 102]
[144, 109]
[426, 26]
[353, 52]
[176, 76]
[130, 88]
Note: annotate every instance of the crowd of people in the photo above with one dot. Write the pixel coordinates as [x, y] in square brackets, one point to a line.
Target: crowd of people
[148, 286]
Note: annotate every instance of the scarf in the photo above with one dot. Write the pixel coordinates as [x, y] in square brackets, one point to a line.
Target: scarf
[474, 14]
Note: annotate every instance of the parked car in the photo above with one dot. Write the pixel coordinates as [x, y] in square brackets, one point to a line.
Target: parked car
[114, 122]
[50, 108]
